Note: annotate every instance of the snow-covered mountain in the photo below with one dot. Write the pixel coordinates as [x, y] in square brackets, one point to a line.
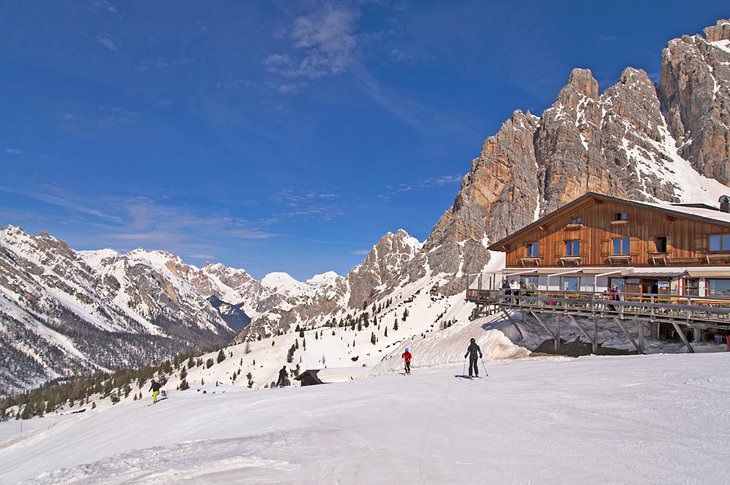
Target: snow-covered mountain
[65, 312]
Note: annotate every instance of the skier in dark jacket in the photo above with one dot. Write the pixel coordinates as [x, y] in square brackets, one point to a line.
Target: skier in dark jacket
[472, 351]
[282, 378]
[155, 388]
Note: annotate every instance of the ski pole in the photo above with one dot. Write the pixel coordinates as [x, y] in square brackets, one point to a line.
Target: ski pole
[485, 368]
[463, 372]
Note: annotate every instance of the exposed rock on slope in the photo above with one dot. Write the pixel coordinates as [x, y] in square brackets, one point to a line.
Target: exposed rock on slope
[695, 92]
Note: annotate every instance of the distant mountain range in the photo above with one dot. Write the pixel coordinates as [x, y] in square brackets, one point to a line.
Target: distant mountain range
[64, 312]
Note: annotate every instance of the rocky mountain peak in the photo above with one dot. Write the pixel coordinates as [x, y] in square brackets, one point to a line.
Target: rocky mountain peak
[582, 81]
[719, 31]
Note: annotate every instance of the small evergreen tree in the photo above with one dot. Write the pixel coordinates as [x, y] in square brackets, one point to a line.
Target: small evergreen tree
[221, 356]
[209, 363]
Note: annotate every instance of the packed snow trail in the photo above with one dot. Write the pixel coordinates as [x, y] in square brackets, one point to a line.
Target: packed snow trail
[633, 419]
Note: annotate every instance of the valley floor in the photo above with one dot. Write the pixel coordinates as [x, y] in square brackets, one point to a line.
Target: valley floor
[629, 419]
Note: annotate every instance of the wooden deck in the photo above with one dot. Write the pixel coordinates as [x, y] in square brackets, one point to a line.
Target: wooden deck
[680, 311]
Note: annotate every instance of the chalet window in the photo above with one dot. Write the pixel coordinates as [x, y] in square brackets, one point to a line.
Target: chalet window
[576, 220]
[720, 242]
[620, 282]
[621, 246]
[532, 250]
[661, 244]
[570, 283]
[621, 216]
[718, 287]
[531, 282]
[572, 248]
[692, 287]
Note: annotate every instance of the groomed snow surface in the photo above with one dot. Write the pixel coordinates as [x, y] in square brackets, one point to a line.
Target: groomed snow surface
[630, 419]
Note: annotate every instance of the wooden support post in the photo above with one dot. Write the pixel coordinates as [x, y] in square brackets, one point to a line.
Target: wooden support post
[511, 320]
[642, 346]
[557, 337]
[618, 322]
[595, 335]
[683, 336]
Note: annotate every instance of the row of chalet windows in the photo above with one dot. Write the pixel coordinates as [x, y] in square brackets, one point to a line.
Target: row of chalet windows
[622, 246]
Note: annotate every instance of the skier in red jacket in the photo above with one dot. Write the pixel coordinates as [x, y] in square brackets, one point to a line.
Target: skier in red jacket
[407, 360]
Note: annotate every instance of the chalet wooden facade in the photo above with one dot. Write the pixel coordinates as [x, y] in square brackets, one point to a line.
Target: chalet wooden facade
[597, 242]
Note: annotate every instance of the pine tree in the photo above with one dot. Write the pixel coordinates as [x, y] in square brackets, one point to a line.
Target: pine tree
[373, 340]
[221, 356]
[405, 314]
[386, 331]
[209, 363]
[395, 325]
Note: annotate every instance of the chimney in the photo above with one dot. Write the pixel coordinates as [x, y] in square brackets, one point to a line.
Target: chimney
[724, 203]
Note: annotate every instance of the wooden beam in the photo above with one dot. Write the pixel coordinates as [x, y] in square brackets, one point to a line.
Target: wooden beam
[683, 337]
[511, 320]
[552, 334]
[627, 333]
[581, 328]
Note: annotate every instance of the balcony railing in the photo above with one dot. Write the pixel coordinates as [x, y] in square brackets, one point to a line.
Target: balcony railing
[644, 306]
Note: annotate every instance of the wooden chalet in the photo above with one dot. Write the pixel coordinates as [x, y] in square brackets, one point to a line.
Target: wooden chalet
[596, 242]
[669, 262]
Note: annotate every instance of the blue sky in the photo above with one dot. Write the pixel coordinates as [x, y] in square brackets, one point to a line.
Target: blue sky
[282, 135]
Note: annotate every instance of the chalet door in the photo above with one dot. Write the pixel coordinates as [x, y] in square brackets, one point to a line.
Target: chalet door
[663, 287]
[649, 286]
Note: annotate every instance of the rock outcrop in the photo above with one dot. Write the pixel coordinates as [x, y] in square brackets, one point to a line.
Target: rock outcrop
[695, 94]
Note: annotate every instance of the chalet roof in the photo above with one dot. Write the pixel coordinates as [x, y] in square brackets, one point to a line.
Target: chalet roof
[701, 212]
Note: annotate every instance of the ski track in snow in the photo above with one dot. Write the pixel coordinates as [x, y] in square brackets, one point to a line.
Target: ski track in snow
[630, 419]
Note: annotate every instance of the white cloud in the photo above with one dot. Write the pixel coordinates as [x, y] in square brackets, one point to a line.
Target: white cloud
[106, 6]
[106, 41]
[324, 43]
[14, 151]
[441, 181]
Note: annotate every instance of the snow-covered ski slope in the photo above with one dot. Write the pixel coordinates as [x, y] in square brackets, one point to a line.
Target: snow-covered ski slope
[630, 419]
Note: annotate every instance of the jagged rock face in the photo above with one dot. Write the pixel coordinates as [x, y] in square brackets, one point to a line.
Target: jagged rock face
[499, 192]
[617, 143]
[695, 92]
[565, 142]
[385, 266]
